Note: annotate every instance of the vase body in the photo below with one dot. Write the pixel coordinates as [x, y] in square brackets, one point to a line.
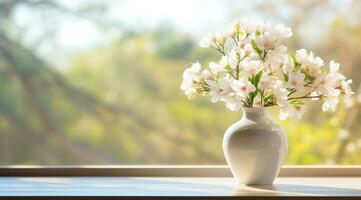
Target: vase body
[255, 148]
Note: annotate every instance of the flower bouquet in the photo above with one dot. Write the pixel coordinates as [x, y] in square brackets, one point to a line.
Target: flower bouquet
[257, 71]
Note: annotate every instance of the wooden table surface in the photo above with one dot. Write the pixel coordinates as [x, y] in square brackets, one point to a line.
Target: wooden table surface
[183, 188]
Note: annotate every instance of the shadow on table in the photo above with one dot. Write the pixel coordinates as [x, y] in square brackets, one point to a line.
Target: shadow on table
[289, 189]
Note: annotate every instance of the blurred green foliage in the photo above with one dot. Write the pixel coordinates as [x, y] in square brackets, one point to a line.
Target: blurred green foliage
[120, 103]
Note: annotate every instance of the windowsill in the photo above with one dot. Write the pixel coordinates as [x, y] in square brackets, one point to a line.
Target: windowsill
[181, 188]
[182, 182]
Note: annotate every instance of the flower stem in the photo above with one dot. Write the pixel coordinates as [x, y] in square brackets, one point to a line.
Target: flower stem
[264, 55]
[235, 40]
[238, 65]
[304, 97]
[219, 48]
[293, 91]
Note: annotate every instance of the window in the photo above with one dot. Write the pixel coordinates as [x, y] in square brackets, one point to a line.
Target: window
[97, 82]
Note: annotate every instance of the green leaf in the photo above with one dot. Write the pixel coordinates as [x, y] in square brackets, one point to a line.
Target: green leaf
[267, 98]
[296, 65]
[250, 79]
[229, 69]
[206, 93]
[309, 77]
[296, 102]
[256, 48]
[255, 93]
[257, 77]
[285, 77]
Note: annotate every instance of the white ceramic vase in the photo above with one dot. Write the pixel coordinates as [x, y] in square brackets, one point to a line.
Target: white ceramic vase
[255, 148]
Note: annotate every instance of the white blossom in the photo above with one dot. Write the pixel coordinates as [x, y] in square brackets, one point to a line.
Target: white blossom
[248, 50]
[205, 74]
[326, 83]
[346, 92]
[233, 102]
[191, 75]
[296, 80]
[248, 27]
[188, 88]
[266, 41]
[193, 72]
[334, 74]
[306, 59]
[323, 84]
[234, 57]
[309, 62]
[346, 87]
[331, 100]
[302, 56]
[242, 87]
[266, 82]
[276, 58]
[280, 93]
[219, 67]
[251, 67]
[215, 91]
[219, 89]
[262, 27]
[220, 38]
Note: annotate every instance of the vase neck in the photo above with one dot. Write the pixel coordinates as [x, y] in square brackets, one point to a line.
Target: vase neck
[254, 114]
